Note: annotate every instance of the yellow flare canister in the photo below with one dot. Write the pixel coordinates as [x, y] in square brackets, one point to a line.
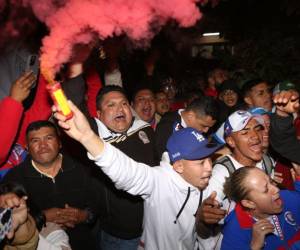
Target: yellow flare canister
[59, 99]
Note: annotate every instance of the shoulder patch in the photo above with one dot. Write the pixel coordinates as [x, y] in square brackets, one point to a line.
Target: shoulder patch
[143, 136]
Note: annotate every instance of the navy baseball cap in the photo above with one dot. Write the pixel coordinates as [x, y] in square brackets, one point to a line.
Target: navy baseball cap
[189, 144]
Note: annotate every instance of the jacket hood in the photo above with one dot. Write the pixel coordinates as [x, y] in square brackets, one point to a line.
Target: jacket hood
[110, 136]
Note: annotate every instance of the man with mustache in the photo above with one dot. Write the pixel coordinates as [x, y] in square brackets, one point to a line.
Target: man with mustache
[57, 184]
[143, 103]
[171, 191]
[121, 214]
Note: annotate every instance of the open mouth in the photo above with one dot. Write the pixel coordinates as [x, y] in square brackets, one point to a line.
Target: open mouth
[206, 177]
[120, 118]
[256, 147]
[147, 111]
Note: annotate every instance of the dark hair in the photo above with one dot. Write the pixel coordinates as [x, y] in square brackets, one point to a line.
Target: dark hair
[19, 190]
[234, 187]
[248, 85]
[228, 85]
[105, 90]
[140, 88]
[206, 105]
[41, 124]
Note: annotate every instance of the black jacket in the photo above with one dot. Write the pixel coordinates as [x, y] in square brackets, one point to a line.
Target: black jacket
[283, 138]
[72, 185]
[121, 214]
[168, 123]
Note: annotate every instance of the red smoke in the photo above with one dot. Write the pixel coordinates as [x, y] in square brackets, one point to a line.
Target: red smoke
[16, 22]
[78, 20]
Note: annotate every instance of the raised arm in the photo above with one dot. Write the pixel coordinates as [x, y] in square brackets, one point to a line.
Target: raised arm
[11, 110]
[283, 137]
[127, 174]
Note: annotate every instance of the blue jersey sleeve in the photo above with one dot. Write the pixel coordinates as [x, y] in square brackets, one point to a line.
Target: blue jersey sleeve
[235, 237]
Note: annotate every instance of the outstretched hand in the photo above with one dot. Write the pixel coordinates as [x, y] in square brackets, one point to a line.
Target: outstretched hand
[210, 211]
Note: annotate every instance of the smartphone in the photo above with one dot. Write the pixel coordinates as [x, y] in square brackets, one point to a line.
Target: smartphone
[5, 222]
[32, 64]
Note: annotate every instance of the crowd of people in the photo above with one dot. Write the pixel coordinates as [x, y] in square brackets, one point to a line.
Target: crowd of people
[142, 165]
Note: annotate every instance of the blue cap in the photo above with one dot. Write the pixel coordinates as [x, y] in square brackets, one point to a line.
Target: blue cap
[189, 144]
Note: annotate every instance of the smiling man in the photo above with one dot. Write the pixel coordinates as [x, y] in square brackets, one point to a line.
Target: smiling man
[122, 214]
[171, 191]
[243, 133]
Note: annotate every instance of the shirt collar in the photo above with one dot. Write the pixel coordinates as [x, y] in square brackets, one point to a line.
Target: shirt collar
[244, 218]
[43, 173]
[182, 122]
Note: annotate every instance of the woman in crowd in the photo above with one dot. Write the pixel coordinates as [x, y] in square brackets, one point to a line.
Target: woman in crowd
[264, 217]
[229, 99]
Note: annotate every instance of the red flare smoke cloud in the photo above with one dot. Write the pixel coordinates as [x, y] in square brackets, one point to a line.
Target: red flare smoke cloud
[78, 21]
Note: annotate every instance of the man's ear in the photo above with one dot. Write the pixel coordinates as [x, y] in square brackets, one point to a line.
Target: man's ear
[229, 140]
[178, 166]
[98, 114]
[190, 115]
[248, 204]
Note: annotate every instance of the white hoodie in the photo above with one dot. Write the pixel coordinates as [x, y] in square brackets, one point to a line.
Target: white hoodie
[165, 193]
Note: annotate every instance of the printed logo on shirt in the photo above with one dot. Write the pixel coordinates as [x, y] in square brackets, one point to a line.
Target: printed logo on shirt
[144, 138]
[288, 216]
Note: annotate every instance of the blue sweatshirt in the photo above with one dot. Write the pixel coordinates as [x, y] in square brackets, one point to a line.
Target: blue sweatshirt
[237, 229]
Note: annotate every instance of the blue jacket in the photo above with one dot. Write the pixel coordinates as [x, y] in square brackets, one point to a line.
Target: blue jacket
[237, 230]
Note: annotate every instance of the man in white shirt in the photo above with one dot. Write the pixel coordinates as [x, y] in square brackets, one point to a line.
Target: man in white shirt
[172, 191]
[243, 134]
